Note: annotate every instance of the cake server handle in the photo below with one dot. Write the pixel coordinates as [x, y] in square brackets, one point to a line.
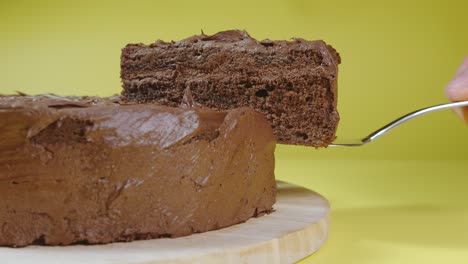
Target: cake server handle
[379, 132]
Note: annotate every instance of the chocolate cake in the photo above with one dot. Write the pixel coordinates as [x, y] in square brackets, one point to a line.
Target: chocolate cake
[91, 170]
[293, 83]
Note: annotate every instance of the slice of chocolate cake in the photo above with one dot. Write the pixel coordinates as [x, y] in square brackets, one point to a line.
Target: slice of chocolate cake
[89, 170]
[293, 83]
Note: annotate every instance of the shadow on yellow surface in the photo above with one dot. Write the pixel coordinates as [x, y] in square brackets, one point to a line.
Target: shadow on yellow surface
[380, 235]
[388, 211]
[423, 225]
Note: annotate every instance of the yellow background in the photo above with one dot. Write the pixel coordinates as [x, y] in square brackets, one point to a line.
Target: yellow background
[401, 199]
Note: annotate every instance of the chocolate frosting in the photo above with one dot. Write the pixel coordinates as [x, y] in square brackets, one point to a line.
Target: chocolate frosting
[93, 170]
[240, 39]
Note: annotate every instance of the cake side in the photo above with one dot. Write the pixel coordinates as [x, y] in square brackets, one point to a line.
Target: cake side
[94, 171]
[293, 83]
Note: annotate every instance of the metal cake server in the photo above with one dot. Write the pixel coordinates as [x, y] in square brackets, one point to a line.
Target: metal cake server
[379, 132]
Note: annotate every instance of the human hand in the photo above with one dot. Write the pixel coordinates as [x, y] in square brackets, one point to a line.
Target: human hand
[457, 89]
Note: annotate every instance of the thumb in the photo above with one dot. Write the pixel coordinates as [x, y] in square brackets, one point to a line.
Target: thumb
[457, 90]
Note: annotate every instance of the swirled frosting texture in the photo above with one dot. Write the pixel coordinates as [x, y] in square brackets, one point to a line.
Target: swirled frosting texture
[92, 170]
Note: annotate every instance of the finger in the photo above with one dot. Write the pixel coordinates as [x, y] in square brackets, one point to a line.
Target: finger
[457, 89]
[463, 67]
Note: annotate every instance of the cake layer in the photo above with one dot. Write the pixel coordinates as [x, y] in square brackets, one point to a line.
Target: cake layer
[91, 170]
[293, 83]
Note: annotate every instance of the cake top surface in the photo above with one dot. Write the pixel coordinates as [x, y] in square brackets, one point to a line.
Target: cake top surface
[241, 40]
[105, 119]
[54, 101]
[57, 102]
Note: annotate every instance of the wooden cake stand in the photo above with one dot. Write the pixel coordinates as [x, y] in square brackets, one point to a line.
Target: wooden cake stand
[297, 228]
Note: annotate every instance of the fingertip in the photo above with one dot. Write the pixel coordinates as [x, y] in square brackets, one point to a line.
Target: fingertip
[451, 91]
[456, 94]
[457, 89]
